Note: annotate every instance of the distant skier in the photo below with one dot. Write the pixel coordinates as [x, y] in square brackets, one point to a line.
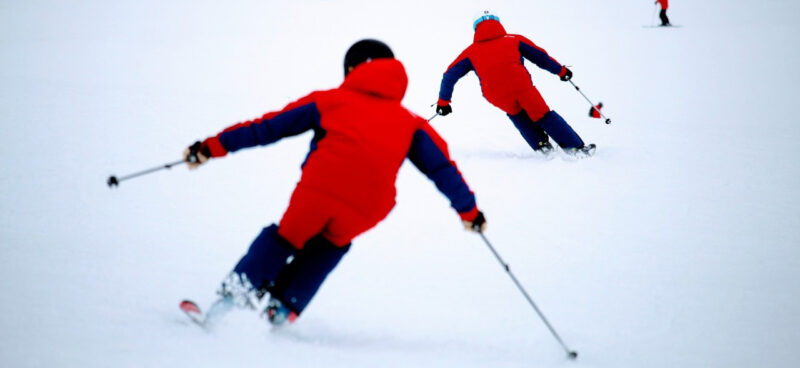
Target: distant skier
[362, 134]
[663, 14]
[497, 59]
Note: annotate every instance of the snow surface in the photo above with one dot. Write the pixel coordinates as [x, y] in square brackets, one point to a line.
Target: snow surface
[675, 246]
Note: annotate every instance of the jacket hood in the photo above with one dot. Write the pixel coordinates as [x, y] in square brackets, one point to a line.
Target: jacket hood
[489, 30]
[384, 78]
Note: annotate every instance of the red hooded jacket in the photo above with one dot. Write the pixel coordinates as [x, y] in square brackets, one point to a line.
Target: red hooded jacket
[362, 134]
[497, 59]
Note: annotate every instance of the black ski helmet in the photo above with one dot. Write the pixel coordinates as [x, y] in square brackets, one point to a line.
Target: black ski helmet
[365, 50]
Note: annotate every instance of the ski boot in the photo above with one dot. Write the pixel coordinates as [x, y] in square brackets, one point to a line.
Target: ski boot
[581, 152]
[545, 149]
[237, 290]
[278, 314]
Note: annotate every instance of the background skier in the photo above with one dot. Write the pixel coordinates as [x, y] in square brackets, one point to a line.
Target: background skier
[497, 59]
[362, 134]
[663, 13]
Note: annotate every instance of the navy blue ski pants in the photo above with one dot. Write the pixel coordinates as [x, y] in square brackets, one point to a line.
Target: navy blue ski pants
[291, 275]
[551, 124]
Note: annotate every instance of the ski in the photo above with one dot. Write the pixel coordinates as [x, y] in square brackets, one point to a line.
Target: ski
[218, 309]
[194, 313]
[660, 26]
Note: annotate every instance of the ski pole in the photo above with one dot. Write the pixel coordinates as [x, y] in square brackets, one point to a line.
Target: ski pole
[653, 18]
[434, 115]
[114, 181]
[608, 121]
[571, 354]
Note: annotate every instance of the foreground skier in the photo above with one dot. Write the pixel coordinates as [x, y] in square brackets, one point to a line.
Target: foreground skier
[362, 134]
[497, 59]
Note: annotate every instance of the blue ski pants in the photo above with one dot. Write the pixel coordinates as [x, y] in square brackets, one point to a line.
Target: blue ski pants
[552, 124]
[291, 275]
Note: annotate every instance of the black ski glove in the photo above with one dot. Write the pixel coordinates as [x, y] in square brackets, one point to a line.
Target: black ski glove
[198, 148]
[477, 225]
[567, 75]
[478, 222]
[443, 109]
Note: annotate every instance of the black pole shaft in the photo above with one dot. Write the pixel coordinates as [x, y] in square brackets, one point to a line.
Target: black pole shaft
[113, 180]
[570, 353]
[608, 121]
[433, 117]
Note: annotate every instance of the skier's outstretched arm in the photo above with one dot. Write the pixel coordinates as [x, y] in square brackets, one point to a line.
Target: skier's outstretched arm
[539, 56]
[428, 152]
[457, 69]
[296, 118]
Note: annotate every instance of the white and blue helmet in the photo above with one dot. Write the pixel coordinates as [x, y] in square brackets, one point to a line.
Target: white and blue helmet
[482, 16]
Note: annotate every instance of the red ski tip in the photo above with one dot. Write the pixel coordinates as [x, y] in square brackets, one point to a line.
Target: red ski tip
[189, 306]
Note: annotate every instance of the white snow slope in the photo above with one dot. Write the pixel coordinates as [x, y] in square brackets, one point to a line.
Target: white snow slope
[675, 246]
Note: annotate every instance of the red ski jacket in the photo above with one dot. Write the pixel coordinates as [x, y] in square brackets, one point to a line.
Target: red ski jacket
[362, 134]
[497, 59]
[664, 4]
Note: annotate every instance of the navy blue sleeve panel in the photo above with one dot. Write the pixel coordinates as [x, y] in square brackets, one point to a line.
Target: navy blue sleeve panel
[435, 163]
[451, 76]
[270, 129]
[538, 56]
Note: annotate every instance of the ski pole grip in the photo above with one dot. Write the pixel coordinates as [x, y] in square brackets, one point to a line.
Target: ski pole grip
[112, 181]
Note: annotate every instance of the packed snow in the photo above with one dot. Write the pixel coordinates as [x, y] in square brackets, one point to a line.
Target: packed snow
[675, 246]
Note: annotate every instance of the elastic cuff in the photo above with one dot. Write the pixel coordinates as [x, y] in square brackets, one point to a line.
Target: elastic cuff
[442, 102]
[215, 147]
[469, 215]
[563, 71]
